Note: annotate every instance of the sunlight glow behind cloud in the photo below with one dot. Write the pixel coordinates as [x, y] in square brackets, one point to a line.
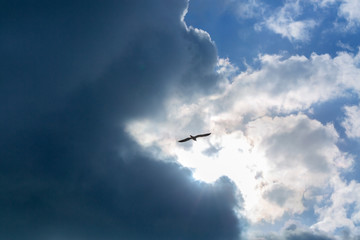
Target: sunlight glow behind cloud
[265, 138]
[96, 96]
[277, 158]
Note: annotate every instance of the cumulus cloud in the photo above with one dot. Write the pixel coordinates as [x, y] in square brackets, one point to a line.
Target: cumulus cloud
[263, 138]
[76, 90]
[294, 148]
[260, 144]
[72, 75]
[281, 83]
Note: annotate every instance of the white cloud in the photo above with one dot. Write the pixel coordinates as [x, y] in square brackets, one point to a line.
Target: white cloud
[288, 20]
[300, 155]
[324, 3]
[350, 10]
[352, 122]
[266, 159]
[250, 8]
[295, 83]
[276, 158]
[225, 68]
[345, 46]
[283, 22]
[339, 213]
[289, 28]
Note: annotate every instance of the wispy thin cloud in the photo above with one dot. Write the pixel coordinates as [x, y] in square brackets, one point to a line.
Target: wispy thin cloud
[285, 23]
[351, 122]
[350, 10]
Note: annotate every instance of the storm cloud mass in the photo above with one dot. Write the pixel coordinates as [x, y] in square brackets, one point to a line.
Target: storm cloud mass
[71, 75]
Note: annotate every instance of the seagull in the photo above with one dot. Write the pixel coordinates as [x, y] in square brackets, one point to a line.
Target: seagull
[194, 137]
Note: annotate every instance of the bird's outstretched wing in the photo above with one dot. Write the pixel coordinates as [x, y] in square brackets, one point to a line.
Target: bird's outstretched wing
[184, 140]
[202, 135]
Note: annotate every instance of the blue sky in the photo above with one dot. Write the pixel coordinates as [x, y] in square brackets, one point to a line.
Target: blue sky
[96, 96]
[232, 26]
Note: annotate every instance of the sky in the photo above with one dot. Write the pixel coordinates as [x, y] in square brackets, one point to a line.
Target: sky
[95, 96]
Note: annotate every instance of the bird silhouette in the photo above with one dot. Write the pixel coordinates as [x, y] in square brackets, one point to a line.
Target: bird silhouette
[194, 137]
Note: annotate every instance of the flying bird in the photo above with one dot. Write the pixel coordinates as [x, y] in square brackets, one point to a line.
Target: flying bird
[194, 137]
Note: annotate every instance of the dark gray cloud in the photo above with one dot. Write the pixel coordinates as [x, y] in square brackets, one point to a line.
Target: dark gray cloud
[70, 75]
[292, 232]
[306, 236]
[279, 194]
